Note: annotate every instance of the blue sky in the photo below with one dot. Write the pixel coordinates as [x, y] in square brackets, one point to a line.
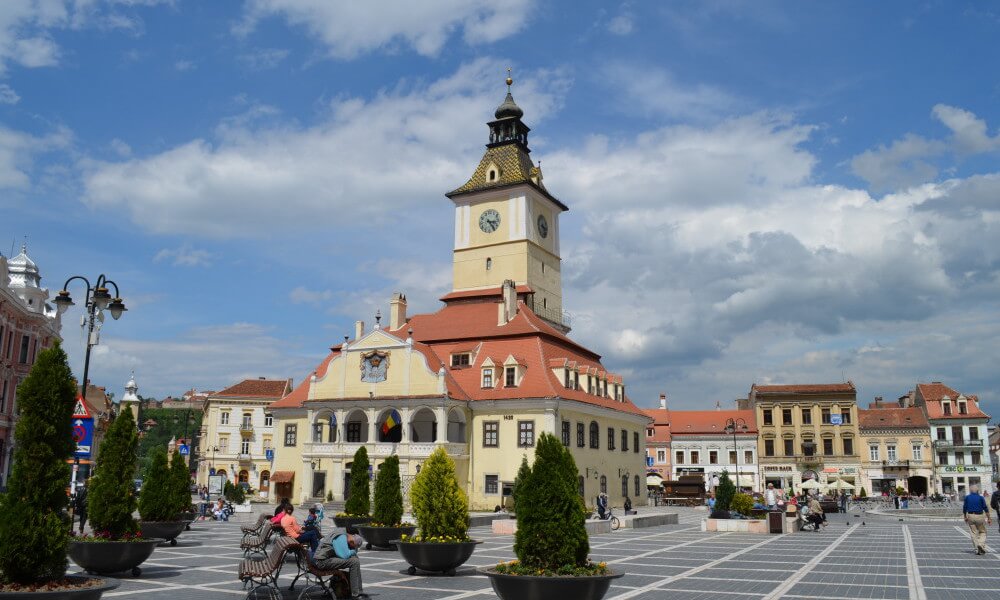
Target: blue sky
[759, 191]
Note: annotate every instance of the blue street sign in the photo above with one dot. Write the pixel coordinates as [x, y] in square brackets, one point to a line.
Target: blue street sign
[649, 461]
[184, 450]
[269, 454]
[211, 472]
[836, 420]
[83, 435]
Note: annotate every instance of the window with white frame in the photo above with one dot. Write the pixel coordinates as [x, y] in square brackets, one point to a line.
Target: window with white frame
[890, 452]
[873, 453]
[661, 456]
[918, 451]
[223, 445]
[492, 485]
[748, 456]
[268, 420]
[487, 377]
[245, 447]
[224, 417]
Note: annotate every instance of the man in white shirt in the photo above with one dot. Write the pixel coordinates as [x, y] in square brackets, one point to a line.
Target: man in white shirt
[771, 497]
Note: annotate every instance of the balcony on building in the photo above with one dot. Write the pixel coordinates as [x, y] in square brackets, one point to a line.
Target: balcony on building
[246, 428]
[416, 436]
[244, 457]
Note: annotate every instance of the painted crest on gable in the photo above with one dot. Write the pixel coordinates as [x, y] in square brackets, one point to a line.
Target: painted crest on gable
[374, 366]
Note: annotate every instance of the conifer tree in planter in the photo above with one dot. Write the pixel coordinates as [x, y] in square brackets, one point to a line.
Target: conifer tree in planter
[116, 545]
[551, 542]
[522, 473]
[358, 504]
[180, 488]
[442, 512]
[158, 502]
[387, 515]
[724, 493]
[34, 528]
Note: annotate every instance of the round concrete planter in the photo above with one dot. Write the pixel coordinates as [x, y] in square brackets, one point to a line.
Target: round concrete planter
[527, 587]
[112, 557]
[435, 557]
[188, 518]
[383, 537]
[350, 523]
[168, 530]
[87, 593]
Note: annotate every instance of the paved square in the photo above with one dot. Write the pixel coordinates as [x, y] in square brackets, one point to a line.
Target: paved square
[879, 560]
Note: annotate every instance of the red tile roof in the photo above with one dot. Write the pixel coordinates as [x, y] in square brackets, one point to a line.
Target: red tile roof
[709, 421]
[484, 293]
[892, 417]
[259, 388]
[931, 395]
[809, 388]
[660, 424]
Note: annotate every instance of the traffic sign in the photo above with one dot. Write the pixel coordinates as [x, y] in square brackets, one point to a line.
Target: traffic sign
[269, 454]
[184, 450]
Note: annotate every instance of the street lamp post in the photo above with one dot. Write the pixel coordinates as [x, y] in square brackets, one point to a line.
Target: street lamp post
[211, 467]
[97, 299]
[735, 426]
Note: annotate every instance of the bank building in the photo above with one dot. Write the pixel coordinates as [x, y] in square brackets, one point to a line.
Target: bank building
[483, 376]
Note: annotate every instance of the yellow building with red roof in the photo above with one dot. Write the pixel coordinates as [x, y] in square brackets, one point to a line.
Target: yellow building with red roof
[483, 376]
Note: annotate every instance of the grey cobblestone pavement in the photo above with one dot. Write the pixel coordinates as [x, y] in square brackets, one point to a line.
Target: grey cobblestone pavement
[882, 560]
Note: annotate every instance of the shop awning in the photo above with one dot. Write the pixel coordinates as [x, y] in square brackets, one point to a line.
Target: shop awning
[653, 480]
[746, 480]
[282, 476]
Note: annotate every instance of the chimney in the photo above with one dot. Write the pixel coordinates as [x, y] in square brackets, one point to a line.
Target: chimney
[878, 401]
[397, 311]
[508, 308]
[663, 402]
[359, 329]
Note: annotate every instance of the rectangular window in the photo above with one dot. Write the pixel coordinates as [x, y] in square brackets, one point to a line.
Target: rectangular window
[460, 360]
[566, 379]
[611, 438]
[848, 447]
[492, 486]
[245, 447]
[576, 380]
[635, 442]
[976, 457]
[732, 457]
[974, 433]
[650, 432]
[713, 457]
[695, 457]
[789, 447]
[960, 458]
[679, 457]
[510, 377]
[947, 407]
[956, 435]
[491, 434]
[317, 432]
[3, 399]
[661, 456]
[354, 432]
[962, 408]
[595, 436]
[224, 418]
[767, 417]
[292, 434]
[565, 433]
[624, 441]
[224, 445]
[942, 433]
[23, 355]
[845, 416]
[525, 434]
[873, 453]
[786, 416]
[826, 416]
[768, 447]
[918, 452]
[580, 435]
[807, 416]
[748, 456]
[487, 378]
[942, 458]
[890, 452]
[828, 447]
[268, 420]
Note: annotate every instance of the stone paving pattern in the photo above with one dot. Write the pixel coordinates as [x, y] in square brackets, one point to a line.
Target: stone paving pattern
[846, 560]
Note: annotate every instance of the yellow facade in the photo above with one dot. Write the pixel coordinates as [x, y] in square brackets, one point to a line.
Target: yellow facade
[236, 434]
[890, 457]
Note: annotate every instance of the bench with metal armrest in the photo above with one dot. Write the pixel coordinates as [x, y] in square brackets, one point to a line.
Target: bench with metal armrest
[258, 542]
[325, 582]
[265, 572]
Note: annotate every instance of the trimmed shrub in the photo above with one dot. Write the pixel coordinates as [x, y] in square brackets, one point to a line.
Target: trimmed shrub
[180, 483]
[359, 503]
[743, 504]
[439, 504]
[551, 535]
[156, 500]
[724, 492]
[111, 498]
[522, 473]
[34, 530]
[388, 494]
[862, 493]
[329, 496]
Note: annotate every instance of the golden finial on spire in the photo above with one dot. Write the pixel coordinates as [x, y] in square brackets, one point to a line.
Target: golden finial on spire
[510, 81]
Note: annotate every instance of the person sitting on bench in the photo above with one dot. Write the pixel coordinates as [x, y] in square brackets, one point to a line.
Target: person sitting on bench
[340, 551]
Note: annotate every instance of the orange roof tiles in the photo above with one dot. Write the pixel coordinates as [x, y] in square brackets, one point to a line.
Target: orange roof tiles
[258, 387]
[484, 293]
[892, 417]
[809, 388]
[709, 421]
[933, 393]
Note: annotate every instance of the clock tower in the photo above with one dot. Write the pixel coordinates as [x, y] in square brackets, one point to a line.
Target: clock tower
[506, 222]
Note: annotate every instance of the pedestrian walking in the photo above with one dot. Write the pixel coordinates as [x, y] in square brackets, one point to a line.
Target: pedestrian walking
[771, 497]
[977, 516]
[995, 504]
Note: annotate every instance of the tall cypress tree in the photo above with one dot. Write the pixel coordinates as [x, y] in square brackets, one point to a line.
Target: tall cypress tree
[359, 503]
[180, 483]
[111, 498]
[388, 494]
[157, 501]
[34, 531]
[439, 504]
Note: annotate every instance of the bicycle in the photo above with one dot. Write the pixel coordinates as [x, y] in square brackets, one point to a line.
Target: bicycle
[608, 516]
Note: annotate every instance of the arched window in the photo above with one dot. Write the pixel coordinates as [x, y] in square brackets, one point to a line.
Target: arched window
[595, 435]
[265, 481]
[581, 481]
[604, 484]
[638, 490]
[244, 477]
[624, 485]
[489, 264]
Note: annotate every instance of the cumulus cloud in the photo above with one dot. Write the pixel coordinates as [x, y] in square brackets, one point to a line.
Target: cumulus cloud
[227, 186]
[264, 58]
[351, 28]
[184, 256]
[653, 91]
[8, 95]
[18, 151]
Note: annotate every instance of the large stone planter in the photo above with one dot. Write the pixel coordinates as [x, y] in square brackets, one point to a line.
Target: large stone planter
[436, 557]
[350, 523]
[736, 525]
[188, 518]
[527, 587]
[88, 593]
[383, 537]
[112, 557]
[168, 530]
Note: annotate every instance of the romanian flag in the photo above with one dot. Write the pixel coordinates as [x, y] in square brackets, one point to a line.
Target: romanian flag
[393, 420]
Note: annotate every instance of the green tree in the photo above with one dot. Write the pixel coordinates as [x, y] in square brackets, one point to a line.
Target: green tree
[439, 504]
[157, 499]
[724, 492]
[743, 504]
[522, 473]
[111, 498]
[862, 493]
[551, 533]
[388, 494]
[359, 503]
[34, 531]
[180, 483]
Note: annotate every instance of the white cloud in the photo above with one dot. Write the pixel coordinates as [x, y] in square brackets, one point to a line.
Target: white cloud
[621, 24]
[264, 58]
[434, 133]
[350, 28]
[18, 151]
[303, 295]
[185, 256]
[653, 91]
[969, 134]
[185, 65]
[8, 95]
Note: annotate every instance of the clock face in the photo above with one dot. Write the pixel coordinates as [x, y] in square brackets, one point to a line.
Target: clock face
[543, 226]
[489, 221]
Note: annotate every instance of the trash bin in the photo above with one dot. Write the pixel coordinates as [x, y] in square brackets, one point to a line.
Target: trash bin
[776, 522]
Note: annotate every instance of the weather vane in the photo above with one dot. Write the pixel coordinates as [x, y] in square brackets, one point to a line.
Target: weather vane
[509, 80]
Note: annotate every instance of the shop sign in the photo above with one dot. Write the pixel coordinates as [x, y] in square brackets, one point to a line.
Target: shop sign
[965, 468]
[779, 468]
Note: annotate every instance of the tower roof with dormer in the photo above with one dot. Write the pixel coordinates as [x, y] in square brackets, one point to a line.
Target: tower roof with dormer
[22, 271]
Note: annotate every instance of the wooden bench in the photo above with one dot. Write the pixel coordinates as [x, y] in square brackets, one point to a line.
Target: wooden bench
[325, 581]
[258, 542]
[254, 529]
[264, 573]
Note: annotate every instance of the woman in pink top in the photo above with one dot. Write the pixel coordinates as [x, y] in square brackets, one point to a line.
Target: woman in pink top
[294, 530]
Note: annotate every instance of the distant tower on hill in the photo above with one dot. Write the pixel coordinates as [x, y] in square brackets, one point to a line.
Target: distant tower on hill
[130, 400]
